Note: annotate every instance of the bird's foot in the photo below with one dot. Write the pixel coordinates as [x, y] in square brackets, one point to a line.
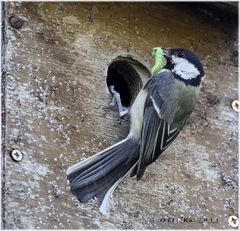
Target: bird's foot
[117, 101]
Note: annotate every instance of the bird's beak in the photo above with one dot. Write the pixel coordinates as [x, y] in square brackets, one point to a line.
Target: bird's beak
[167, 54]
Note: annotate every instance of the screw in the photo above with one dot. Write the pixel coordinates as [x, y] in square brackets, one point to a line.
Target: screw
[235, 105]
[16, 155]
[16, 22]
[233, 221]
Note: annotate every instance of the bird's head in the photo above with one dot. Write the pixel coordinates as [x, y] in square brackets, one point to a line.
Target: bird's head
[185, 65]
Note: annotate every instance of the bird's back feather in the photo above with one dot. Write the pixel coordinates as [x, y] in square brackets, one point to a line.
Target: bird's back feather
[165, 113]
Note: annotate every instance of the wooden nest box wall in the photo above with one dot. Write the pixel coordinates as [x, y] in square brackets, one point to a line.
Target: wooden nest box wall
[59, 60]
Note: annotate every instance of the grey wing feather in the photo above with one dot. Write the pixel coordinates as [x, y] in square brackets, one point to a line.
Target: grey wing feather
[149, 138]
[157, 134]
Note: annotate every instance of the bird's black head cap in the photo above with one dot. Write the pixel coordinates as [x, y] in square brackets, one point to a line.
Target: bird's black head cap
[185, 65]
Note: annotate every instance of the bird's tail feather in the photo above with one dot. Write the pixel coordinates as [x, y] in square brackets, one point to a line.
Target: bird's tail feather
[105, 205]
[96, 175]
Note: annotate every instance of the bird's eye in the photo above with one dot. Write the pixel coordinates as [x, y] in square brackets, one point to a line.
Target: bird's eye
[181, 54]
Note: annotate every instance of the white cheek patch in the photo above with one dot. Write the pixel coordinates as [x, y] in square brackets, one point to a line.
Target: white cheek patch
[184, 69]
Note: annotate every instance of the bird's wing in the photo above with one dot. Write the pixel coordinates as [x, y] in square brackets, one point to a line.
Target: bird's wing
[157, 133]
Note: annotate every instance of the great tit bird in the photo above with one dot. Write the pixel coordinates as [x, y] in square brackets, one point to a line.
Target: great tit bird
[158, 114]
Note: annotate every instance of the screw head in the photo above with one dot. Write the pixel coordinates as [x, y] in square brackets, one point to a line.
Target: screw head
[236, 105]
[16, 22]
[16, 155]
[233, 221]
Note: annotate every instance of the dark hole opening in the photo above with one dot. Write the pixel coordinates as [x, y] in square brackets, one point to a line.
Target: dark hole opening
[125, 79]
[120, 85]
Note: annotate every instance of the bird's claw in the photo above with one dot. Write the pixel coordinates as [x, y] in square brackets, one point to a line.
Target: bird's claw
[117, 101]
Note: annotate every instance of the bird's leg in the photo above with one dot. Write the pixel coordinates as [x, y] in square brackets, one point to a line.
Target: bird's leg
[114, 101]
[117, 100]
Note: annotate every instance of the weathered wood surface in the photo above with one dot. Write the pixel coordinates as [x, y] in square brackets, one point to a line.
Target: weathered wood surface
[57, 112]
